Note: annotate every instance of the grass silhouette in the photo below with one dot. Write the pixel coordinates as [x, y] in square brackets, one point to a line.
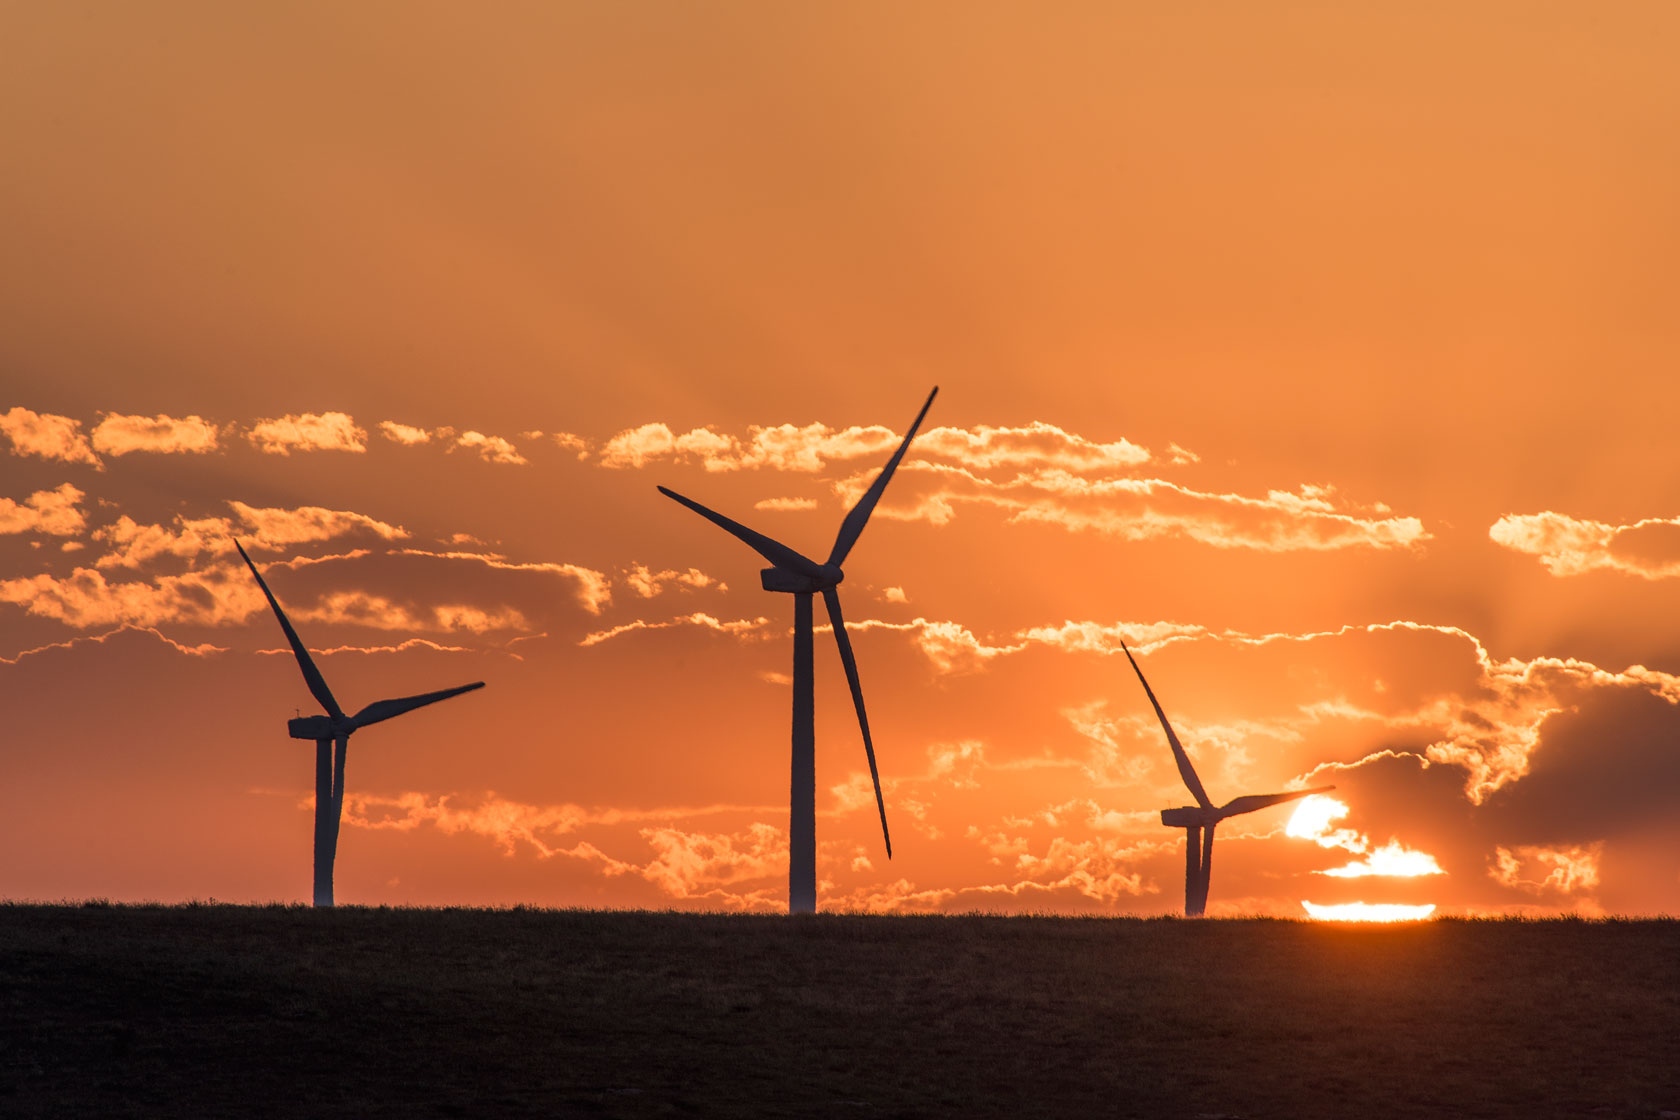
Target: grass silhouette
[208, 1010]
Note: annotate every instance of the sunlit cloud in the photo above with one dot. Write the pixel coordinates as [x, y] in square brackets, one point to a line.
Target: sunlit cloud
[1569, 546]
[687, 864]
[855, 793]
[1369, 912]
[134, 545]
[276, 526]
[1036, 446]
[84, 599]
[650, 584]
[203, 649]
[1114, 758]
[594, 590]
[165, 435]
[1128, 751]
[309, 431]
[510, 824]
[401, 647]
[492, 449]
[951, 647]
[1537, 869]
[1105, 638]
[569, 442]
[1099, 868]
[55, 513]
[960, 765]
[1076, 852]
[48, 436]
[682, 864]
[224, 594]
[1492, 731]
[514, 826]
[810, 448]
[1052, 476]
[898, 897]
[1492, 754]
[804, 449]
[956, 764]
[637, 447]
[565, 440]
[361, 608]
[404, 434]
[700, 619]
[1309, 518]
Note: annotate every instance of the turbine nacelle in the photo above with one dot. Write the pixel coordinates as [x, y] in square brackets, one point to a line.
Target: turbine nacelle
[312, 727]
[1189, 816]
[1206, 816]
[794, 582]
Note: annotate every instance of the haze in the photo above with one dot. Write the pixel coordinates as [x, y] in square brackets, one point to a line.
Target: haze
[1327, 356]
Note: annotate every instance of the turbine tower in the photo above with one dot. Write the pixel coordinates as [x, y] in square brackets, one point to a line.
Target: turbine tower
[329, 730]
[1199, 820]
[796, 575]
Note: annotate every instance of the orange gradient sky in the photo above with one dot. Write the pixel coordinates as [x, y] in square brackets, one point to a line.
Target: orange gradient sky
[1325, 354]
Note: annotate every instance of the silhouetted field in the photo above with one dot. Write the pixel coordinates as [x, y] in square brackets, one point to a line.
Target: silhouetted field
[285, 1011]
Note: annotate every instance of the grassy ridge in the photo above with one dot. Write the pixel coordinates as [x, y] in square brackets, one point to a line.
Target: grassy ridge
[283, 1011]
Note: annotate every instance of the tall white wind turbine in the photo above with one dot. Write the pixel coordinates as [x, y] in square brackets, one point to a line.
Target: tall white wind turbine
[329, 730]
[797, 575]
[1199, 820]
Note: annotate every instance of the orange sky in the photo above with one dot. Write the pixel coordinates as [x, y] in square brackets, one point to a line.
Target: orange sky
[1325, 356]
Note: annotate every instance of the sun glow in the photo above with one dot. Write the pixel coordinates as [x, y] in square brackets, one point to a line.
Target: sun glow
[1393, 858]
[1312, 819]
[1369, 912]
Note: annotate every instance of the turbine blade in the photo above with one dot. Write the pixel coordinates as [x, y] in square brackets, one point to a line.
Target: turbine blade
[831, 596]
[1185, 770]
[381, 710]
[852, 527]
[774, 551]
[1256, 801]
[311, 675]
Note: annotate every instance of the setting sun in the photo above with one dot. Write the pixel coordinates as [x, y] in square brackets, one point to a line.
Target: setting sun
[1312, 819]
[1368, 912]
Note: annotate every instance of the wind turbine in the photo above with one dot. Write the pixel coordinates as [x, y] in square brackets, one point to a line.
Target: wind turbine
[334, 728]
[801, 577]
[1199, 820]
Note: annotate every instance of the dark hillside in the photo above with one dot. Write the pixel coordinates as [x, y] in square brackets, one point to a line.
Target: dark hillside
[234, 1011]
